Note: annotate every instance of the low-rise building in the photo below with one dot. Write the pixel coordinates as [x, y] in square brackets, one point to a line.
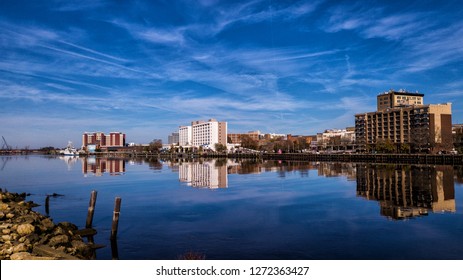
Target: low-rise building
[336, 137]
[457, 133]
[235, 138]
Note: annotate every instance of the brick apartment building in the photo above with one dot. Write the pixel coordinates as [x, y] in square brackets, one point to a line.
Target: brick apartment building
[403, 119]
[101, 140]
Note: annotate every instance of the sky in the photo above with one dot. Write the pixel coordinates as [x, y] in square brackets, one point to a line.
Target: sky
[145, 68]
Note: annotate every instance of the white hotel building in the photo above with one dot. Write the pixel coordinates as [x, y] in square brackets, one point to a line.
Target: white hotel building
[184, 136]
[203, 134]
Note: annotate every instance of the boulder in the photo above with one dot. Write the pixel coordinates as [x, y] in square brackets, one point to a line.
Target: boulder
[21, 247]
[58, 240]
[21, 256]
[25, 229]
[47, 224]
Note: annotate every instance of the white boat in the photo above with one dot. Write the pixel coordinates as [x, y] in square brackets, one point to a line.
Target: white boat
[69, 150]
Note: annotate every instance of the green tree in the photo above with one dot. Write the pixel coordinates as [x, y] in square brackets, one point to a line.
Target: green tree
[155, 146]
[248, 142]
[220, 148]
[385, 146]
[404, 148]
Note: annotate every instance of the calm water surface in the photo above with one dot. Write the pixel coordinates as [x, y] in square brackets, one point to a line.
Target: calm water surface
[247, 210]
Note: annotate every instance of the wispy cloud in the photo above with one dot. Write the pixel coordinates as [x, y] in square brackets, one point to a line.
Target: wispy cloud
[376, 22]
[72, 6]
[427, 40]
[437, 47]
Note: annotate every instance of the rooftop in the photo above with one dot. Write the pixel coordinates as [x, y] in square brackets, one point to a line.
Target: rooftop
[401, 92]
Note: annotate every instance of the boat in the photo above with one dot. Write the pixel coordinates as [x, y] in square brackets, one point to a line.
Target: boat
[69, 150]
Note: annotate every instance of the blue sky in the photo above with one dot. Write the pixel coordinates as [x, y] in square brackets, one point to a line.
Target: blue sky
[146, 67]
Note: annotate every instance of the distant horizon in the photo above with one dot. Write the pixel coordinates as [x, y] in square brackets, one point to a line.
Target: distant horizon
[148, 67]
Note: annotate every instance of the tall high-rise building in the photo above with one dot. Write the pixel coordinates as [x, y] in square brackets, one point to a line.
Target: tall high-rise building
[424, 128]
[391, 99]
[173, 138]
[203, 134]
[185, 135]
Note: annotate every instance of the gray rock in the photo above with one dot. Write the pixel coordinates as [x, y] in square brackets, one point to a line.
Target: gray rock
[6, 237]
[21, 256]
[4, 206]
[25, 229]
[21, 247]
[58, 240]
[47, 224]
[59, 231]
[5, 225]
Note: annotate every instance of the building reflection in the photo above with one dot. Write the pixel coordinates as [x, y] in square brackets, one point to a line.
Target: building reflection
[209, 174]
[98, 166]
[214, 173]
[407, 191]
[335, 169]
[403, 191]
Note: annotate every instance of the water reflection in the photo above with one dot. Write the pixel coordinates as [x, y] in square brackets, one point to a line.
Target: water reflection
[98, 166]
[210, 174]
[407, 191]
[403, 191]
[69, 160]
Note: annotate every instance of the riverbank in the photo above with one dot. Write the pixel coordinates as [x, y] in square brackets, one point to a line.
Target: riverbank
[435, 159]
[28, 235]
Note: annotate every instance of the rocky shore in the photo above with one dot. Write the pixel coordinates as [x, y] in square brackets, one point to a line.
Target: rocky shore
[28, 235]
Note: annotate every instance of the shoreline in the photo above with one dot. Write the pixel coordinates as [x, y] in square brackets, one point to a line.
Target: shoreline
[29, 235]
[434, 159]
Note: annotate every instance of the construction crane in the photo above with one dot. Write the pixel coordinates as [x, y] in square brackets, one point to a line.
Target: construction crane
[5, 145]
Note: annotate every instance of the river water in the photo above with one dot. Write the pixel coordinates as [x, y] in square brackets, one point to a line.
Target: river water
[227, 209]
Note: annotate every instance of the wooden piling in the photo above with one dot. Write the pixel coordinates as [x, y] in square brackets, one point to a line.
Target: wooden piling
[47, 205]
[117, 210]
[114, 250]
[91, 209]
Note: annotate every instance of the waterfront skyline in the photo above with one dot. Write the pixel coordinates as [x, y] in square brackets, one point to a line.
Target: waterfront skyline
[147, 67]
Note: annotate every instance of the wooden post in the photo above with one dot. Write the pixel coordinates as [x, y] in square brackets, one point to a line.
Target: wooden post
[47, 205]
[114, 251]
[91, 209]
[117, 210]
